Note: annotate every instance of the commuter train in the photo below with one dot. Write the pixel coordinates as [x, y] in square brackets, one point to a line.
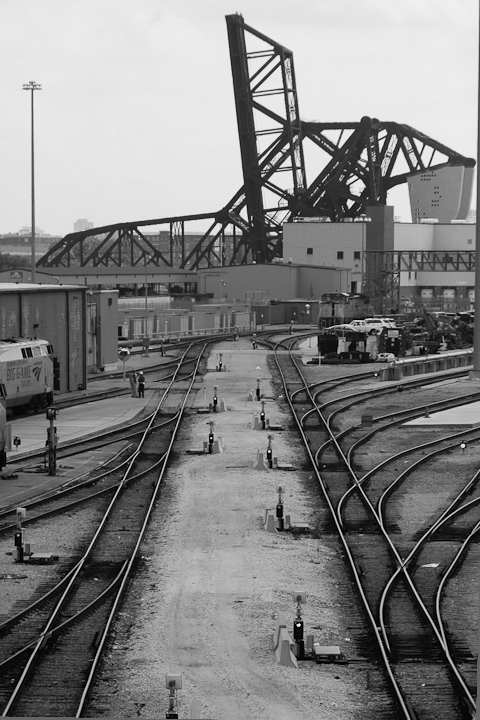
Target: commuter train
[26, 373]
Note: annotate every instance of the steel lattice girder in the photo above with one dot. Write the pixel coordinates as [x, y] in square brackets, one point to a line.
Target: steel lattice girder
[127, 244]
[365, 162]
[261, 77]
[374, 156]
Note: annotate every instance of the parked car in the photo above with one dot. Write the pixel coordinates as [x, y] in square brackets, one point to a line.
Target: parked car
[369, 324]
[385, 357]
[341, 329]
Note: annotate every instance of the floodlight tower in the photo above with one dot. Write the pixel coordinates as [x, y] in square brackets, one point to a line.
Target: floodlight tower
[32, 86]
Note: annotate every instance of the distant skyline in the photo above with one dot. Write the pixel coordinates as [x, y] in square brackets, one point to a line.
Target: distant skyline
[136, 117]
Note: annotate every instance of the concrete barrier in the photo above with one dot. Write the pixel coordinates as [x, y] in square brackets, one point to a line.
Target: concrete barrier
[259, 463]
[270, 523]
[284, 653]
[424, 365]
[281, 623]
[196, 712]
[217, 446]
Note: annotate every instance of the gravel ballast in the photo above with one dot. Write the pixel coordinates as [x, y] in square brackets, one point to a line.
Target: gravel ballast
[212, 580]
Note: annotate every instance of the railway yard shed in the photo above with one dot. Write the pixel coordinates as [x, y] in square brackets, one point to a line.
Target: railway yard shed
[56, 313]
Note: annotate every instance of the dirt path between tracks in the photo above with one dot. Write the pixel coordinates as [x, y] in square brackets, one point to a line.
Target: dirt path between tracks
[213, 580]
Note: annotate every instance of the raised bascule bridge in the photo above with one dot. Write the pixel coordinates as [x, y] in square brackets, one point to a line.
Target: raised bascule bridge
[354, 164]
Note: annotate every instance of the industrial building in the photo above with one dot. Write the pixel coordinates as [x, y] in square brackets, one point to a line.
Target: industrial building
[434, 262]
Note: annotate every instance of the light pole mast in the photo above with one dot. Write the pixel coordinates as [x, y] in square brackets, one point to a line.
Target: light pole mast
[146, 259]
[33, 86]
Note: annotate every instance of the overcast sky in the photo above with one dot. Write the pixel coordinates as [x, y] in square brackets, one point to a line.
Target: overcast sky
[136, 116]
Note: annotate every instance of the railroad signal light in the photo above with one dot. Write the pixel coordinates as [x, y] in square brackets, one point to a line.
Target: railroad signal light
[463, 446]
[270, 452]
[18, 538]
[172, 683]
[17, 441]
[298, 630]
[51, 413]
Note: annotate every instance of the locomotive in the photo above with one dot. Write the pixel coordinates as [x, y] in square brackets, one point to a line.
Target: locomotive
[26, 373]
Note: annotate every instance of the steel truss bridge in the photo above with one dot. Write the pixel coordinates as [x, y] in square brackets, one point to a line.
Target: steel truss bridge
[358, 163]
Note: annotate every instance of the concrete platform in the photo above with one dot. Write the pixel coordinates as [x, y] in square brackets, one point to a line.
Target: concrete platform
[71, 423]
[462, 417]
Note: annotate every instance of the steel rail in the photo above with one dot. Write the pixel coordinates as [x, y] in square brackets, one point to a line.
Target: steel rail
[79, 566]
[441, 630]
[438, 598]
[393, 458]
[128, 571]
[401, 565]
[390, 544]
[402, 701]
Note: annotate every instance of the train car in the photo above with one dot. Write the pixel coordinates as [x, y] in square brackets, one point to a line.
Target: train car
[26, 373]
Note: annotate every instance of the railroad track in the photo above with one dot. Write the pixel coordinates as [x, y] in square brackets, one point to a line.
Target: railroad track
[50, 650]
[366, 487]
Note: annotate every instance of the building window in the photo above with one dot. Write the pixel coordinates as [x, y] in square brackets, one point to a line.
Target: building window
[309, 251]
[356, 255]
[340, 255]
